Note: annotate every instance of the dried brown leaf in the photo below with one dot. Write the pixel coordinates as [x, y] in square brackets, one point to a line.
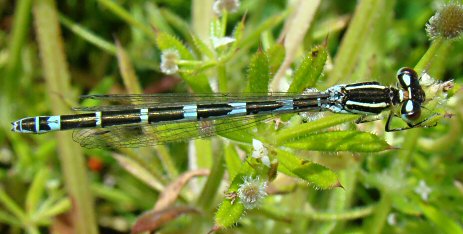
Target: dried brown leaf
[153, 220]
[171, 193]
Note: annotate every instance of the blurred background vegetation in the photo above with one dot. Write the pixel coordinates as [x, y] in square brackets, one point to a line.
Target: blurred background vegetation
[48, 183]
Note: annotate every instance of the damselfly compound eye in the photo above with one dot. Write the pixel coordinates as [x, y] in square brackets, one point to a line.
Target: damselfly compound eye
[410, 110]
[407, 77]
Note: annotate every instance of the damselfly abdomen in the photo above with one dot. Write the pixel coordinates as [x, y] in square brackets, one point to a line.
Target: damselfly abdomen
[141, 120]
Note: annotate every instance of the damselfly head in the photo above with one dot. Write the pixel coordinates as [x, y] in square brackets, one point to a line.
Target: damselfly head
[409, 80]
[423, 99]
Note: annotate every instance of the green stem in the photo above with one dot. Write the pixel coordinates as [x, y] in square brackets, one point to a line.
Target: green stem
[222, 74]
[376, 224]
[343, 215]
[404, 157]
[166, 160]
[362, 24]
[340, 199]
[441, 144]
[223, 23]
[202, 17]
[32, 230]
[9, 83]
[12, 207]
[213, 182]
[88, 35]
[190, 62]
[58, 81]
[18, 37]
[126, 16]
[430, 54]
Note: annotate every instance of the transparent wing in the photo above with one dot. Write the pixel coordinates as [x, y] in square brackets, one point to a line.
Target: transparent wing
[131, 101]
[128, 136]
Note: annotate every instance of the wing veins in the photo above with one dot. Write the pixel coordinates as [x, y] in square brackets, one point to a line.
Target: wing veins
[154, 134]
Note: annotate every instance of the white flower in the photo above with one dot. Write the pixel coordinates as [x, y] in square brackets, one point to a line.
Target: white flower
[260, 152]
[251, 192]
[423, 190]
[227, 5]
[169, 60]
[221, 41]
[392, 219]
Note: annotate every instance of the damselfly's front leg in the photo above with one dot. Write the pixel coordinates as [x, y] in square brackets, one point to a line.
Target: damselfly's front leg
[416, 125]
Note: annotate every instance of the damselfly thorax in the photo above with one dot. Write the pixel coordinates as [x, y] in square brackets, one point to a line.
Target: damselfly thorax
[141, 120]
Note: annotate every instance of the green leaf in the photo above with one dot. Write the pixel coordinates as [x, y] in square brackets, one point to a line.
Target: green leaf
[139, 172]
[178, 23]
[259, 73]
[352, 141]
[197, 81]
[276, 55]
[35, 193]
[288, 134]
[244, 136]
[88, 35]
[126, 69]
[115, 8]
[7, 218]
[233, 161]
[202, 47]
[231, 210]
[310, 70]
[238, 35]
[441, 220]
[229, 213]
[406, 205]
[156, 18]
[267, 25]
[10, 205]
[215, 28]
[204, 152]
[238, 31]
[318, 175]
[166, 41]
[59, 207]
[247, 127]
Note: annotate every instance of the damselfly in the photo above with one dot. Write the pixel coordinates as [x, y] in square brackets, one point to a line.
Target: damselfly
[142, 120]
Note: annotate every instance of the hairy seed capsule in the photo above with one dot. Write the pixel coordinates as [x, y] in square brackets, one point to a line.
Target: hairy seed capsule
[169, 59]
[447, 22]
[225, 5]
[251, 192]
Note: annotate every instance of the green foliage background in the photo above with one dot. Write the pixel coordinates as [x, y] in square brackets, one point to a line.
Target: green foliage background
[402, 182]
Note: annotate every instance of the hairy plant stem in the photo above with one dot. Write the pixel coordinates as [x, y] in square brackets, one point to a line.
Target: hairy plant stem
[403, 159]
[363, 22]
[58, 82]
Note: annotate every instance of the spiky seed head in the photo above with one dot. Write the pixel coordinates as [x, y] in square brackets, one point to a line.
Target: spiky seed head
[447, 22]
[169, 59]
[252, 191]
[227, 5]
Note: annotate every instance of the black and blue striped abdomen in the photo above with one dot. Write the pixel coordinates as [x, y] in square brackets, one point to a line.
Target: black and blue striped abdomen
[188, 112]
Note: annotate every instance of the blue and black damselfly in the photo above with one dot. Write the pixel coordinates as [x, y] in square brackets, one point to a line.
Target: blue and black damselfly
[142, 120]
